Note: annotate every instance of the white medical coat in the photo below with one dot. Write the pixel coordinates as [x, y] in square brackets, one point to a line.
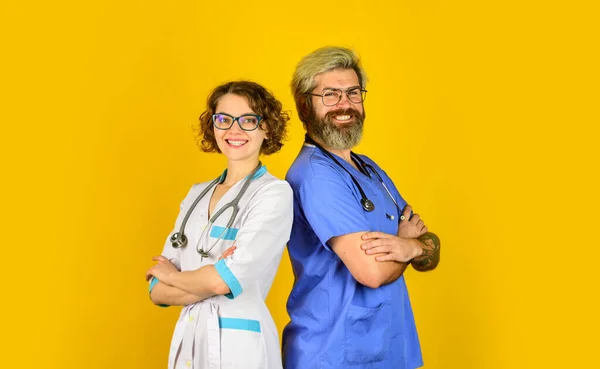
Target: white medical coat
[235, 330]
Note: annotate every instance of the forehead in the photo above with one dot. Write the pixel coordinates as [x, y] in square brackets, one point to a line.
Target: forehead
[233, 104]
[337, 78]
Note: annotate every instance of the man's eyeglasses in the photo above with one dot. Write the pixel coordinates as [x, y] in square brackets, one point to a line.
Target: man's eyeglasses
[247, 122]
[332, 96]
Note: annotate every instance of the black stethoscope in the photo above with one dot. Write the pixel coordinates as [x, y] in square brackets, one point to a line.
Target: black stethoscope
[179, 240]
[363, 167]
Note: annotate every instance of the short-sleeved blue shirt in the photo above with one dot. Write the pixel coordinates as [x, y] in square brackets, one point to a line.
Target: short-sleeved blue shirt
[337, 322]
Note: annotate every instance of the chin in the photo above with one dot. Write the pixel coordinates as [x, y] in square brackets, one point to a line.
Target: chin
[239, 156]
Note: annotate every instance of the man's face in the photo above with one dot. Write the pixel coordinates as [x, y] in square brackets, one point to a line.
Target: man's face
[338, 126]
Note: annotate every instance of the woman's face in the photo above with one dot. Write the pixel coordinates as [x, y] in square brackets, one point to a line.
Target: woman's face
[235, 143]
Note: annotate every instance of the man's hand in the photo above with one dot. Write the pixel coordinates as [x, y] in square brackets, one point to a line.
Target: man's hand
[392, 247]
[163, 269]
[411, 226]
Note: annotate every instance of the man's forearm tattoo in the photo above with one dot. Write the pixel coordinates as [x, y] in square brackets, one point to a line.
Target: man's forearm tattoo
[431, 252]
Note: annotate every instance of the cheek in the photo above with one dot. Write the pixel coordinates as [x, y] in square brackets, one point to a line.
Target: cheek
[218, 137]
[320, 111]
[260, 133]
[218, 133]
[259, 139]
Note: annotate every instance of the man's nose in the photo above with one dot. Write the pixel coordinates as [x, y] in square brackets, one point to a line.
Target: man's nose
[344, 101]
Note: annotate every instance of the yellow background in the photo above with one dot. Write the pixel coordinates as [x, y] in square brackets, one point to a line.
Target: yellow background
[484, 113]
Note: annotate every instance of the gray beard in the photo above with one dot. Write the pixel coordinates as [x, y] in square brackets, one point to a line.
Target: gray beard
[343, 137]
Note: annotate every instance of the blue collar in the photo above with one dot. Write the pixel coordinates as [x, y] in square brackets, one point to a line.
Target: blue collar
[259, 173]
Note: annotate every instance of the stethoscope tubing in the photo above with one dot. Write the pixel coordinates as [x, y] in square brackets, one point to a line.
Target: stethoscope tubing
[367, 204]
[179, 240]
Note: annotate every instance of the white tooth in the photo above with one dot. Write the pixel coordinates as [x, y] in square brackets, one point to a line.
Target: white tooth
[236, 143]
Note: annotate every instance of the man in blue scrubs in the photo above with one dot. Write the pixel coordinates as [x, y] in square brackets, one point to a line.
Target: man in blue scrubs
[353, 234]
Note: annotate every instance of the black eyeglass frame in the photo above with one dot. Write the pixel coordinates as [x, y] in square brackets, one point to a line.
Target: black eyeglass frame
[234, 119]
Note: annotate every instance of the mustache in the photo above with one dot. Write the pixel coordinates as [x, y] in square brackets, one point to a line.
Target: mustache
[347, 111]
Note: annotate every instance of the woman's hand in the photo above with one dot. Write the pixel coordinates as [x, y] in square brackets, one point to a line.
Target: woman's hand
[162, 270]
[228, 252]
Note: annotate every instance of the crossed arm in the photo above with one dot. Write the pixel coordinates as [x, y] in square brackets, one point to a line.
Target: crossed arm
[377, 258]
[184, 288]
[267, 225]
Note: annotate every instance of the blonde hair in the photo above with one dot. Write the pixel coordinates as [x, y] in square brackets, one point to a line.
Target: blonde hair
[320, 61]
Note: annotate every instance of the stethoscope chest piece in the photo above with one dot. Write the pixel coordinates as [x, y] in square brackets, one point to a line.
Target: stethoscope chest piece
[367, 204]
[178, 240]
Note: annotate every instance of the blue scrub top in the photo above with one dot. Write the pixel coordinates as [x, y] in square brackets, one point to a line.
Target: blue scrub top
[337, 322]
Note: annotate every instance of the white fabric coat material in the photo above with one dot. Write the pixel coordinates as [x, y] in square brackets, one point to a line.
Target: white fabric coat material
[235, 330]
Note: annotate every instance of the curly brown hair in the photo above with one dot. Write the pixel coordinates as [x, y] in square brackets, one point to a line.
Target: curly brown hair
[261, 101]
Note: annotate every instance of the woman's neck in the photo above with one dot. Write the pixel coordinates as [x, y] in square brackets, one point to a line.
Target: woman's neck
[238, 170]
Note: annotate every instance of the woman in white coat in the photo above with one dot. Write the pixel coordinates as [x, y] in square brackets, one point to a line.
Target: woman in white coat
[219, 271]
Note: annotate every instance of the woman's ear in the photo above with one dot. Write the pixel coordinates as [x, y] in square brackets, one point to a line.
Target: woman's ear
[265, 129]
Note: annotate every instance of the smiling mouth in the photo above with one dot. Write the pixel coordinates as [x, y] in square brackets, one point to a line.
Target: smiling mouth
[236, 143]
[342, 118]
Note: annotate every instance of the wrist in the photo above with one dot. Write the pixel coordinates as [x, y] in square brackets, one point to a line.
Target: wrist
[417, 247]
[171, 278]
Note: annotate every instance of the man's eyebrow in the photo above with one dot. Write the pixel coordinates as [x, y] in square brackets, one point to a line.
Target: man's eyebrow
[336, 88]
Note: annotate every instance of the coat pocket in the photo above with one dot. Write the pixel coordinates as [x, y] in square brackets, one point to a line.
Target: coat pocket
[368, 333]
[242, 344]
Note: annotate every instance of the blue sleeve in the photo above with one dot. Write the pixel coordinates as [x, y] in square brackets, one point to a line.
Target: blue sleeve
[229, 278]
[153, 282]
[332, 208]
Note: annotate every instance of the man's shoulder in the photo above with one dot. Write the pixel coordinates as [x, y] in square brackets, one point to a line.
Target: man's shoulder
[308, 165]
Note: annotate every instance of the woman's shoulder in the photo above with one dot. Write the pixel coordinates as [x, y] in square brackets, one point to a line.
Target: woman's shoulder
[268, 180]
[270, 186]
